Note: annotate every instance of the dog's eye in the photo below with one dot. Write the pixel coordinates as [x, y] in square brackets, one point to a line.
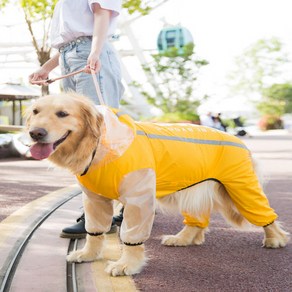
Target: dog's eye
[61, 114]
[35, 111]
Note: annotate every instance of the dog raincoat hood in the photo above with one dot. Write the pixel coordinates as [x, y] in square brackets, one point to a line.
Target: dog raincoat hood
[117, 134]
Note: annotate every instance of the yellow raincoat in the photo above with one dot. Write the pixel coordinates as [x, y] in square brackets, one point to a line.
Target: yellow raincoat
[183, 155]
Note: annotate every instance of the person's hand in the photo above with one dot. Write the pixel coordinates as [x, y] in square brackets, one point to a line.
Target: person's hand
[39, 75]
[93, 63]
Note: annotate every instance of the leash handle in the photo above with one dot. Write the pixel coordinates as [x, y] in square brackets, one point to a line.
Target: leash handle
[51, 80]
[96, 85]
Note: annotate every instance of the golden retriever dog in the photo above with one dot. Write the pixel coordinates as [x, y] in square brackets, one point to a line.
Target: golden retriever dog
[191, 169]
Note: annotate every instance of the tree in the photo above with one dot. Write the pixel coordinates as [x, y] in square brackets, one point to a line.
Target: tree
[174, 86]
[36, 13]
[40, 12]
[277, 100]
[258, 67]
[141, 6]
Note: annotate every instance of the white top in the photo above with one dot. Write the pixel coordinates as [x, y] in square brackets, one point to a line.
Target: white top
[74, 18]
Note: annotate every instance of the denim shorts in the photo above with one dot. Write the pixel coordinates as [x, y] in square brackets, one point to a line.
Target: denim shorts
[73, 56]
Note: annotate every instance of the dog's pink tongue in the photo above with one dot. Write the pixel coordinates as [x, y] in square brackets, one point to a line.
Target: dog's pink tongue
[41, 150]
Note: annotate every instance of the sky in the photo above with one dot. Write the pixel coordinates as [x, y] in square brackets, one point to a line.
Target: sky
[221, 31]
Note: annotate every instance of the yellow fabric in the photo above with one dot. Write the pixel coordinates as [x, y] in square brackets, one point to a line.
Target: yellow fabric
[185, 155]
[105, 179]
[192, 221]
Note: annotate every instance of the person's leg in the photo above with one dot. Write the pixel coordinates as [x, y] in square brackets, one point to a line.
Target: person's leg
[67, 84]
[119, 218]
[109, 79]
[78, 230]
[74, 58]
[109, 76]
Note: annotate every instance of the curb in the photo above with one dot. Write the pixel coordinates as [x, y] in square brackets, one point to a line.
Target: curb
[15, 227]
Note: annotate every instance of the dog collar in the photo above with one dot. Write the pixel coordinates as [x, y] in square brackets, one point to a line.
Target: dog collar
[87, 167]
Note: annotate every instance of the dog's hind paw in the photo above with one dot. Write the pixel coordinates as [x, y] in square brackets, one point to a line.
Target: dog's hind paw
[189, 235]
[275, 242]
[120, 268]
[80, 256]
[275, 236]
[173, 240]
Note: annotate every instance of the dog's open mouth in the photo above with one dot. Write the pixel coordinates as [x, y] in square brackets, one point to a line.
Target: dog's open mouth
[44, 150]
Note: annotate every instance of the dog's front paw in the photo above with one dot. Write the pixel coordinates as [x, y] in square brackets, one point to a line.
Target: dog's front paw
[121, 268]
[80, 256]
[131, 262]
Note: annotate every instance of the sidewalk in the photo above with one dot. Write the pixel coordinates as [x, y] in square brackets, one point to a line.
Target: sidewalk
[23, 181]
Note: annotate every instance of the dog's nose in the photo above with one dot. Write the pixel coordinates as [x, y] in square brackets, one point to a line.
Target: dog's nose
[38, 134]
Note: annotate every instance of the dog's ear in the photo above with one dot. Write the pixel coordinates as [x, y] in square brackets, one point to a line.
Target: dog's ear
[93, 120]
